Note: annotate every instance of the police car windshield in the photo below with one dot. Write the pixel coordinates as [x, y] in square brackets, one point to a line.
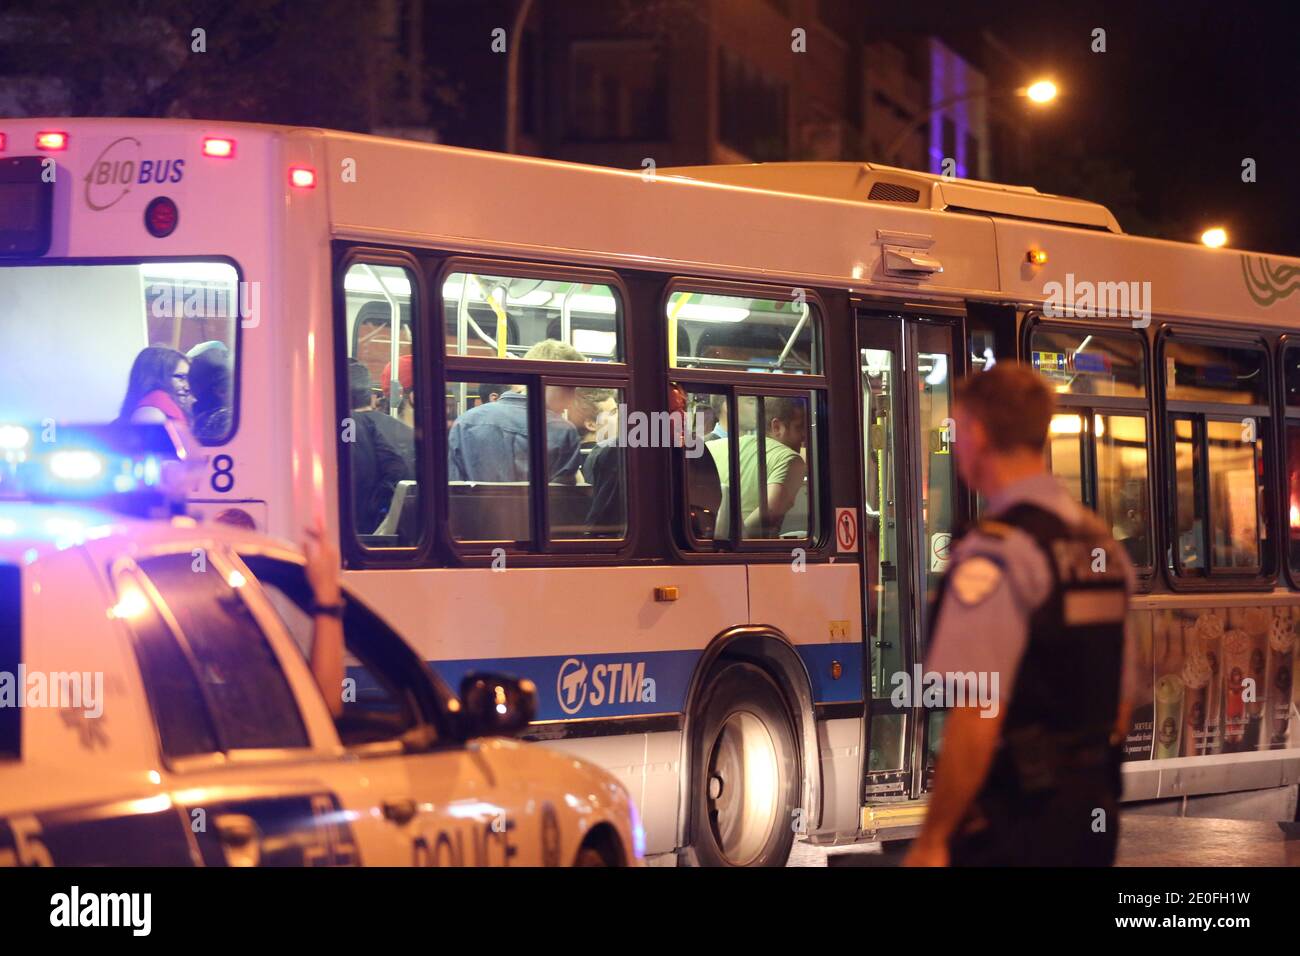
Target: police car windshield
[142, 341]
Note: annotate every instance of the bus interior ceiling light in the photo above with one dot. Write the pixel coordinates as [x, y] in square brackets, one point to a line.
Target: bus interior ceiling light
[51, 140]
[302, 177]
[218, 147]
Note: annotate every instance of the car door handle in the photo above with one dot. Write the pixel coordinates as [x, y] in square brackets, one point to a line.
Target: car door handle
[399, 811]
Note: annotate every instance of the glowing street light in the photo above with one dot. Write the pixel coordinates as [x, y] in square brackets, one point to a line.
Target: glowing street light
[1215, 237]
[1042, 91]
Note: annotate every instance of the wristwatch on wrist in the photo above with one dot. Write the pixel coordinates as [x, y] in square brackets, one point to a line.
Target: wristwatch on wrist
[330, 610]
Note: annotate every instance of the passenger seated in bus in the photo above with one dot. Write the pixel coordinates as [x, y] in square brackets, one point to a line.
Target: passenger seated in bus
[490, 442]
[399, 430]
[786, 431]
[705, 492]
[376, 465]
[590, 414]
[158, 389]
[718, 403]
[604, 468]
[210, 386]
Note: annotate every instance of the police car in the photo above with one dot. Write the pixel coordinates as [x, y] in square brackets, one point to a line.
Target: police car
[158, 704]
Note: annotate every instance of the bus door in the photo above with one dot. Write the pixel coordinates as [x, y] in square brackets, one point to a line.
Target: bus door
[906, 367]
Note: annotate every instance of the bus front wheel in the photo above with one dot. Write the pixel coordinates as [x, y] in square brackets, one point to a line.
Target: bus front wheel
[745, 774]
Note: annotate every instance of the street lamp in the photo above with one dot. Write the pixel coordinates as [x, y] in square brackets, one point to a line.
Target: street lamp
[1040, 93]
[1215, 237]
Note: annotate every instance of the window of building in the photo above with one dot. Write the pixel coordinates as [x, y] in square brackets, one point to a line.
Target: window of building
[1098, 444]
[752, 117]
[618, 90]
[1217, 401]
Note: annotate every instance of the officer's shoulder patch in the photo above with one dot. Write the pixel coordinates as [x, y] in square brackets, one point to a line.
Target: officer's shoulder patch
[975, 578]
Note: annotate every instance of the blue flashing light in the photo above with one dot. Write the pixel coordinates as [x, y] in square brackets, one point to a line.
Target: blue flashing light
[115, 466]
[76, 466]
[14, 438]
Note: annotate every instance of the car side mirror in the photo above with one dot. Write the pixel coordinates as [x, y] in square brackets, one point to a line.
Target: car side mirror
[494, 705]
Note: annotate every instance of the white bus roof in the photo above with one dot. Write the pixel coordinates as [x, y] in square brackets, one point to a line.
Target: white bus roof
[786, 223]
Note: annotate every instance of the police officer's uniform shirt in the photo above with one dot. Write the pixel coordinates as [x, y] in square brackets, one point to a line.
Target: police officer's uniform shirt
[995, 586]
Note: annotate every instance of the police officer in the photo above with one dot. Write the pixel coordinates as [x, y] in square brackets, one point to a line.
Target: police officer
[1034, 603]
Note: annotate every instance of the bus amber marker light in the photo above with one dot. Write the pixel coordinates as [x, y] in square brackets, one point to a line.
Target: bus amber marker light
[219, 148]
[51, 140]
[302, 177]
[1036, 257]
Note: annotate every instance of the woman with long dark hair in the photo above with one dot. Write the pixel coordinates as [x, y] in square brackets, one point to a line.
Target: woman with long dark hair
[158, 389]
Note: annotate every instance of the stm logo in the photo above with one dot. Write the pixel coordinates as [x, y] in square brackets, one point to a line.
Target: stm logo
[602, 685]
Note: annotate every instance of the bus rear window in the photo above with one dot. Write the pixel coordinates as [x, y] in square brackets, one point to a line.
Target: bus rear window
[142, 342]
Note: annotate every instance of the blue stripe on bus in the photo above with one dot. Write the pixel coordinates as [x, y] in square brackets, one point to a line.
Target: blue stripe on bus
[629, 685]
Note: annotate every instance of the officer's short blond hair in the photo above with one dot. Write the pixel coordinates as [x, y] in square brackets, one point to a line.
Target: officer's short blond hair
[1012, 402]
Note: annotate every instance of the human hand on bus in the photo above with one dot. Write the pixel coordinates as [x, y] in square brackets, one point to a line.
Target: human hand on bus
[322, 567]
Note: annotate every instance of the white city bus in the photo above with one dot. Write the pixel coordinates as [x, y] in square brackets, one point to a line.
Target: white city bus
[736, 675]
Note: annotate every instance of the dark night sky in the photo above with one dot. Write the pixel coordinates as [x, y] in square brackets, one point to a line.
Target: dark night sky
[1185, 92]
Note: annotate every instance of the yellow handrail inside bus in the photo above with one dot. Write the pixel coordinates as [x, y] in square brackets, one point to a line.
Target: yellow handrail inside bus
[684, 297]
[502, 325]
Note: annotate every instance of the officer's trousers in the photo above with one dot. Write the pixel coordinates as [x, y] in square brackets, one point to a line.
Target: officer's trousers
[1069, 827]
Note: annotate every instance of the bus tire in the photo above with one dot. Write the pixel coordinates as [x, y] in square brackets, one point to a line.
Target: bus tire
[745, 773]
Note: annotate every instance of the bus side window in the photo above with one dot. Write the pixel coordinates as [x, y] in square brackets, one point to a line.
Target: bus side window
[1097, 442]
[378, 432]
[489, 461]
[1218, 401]
[768, 440]
[1291, 381]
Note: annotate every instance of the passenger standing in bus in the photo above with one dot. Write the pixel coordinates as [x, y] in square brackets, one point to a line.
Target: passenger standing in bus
[376, 465]
[490, 442]
[158, 389]
[1034, 607]
[210, 385]
[399, 430]
[718, 404]
[603, 468]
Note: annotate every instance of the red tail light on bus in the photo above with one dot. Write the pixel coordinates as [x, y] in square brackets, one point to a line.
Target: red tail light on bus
[302, 176]
[51, 140]
[218, 147]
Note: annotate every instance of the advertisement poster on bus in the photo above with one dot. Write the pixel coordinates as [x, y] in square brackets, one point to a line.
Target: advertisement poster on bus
[1222, 680]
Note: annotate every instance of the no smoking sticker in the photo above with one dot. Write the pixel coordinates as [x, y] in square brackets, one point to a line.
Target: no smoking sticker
[940, 550]
[846, 530]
